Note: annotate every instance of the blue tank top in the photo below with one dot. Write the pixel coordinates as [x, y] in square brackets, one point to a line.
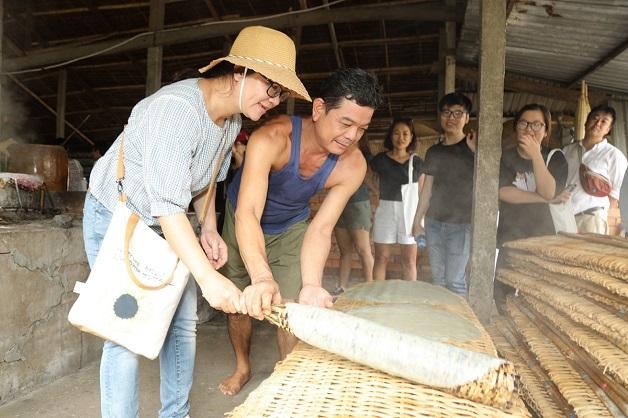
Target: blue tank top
[289, 194]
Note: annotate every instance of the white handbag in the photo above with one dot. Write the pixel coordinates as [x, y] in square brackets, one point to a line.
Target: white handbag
[136, 283]
[133, 289]
[562, 213]
[409, 198]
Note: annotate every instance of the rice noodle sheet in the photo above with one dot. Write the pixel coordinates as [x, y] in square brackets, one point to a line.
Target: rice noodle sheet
[413, 357]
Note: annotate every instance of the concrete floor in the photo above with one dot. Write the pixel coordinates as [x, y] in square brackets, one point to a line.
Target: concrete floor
[77, 395]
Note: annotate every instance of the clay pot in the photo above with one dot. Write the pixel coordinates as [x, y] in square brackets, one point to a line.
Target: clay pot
[48, 161]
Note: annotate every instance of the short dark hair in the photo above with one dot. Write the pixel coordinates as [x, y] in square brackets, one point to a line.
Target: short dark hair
[547, 116]
[453, 99]
[604, 109]
[353, 84]
[403, 121]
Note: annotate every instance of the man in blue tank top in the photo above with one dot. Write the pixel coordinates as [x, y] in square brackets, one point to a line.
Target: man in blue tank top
[275, 254]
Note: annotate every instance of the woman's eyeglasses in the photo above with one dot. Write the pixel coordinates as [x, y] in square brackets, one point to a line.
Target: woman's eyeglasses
[447, 113]
[275, 90]
[535, 126]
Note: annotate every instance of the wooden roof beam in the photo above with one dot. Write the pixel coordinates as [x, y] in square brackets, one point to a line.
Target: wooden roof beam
[414, 12]
[551, 91]
[605, 60]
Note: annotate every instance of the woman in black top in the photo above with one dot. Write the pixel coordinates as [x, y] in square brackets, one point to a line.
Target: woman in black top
[527, 184]
[389, 225]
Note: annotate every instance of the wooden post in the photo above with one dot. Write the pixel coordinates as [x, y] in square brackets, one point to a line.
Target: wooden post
[154, 54]
[61, 99]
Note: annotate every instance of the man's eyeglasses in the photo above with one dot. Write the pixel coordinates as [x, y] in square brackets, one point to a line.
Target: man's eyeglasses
[447, 113]
[535, 126]
[275, 90]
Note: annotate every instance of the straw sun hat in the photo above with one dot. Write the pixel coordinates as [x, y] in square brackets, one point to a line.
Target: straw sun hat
[268, 52]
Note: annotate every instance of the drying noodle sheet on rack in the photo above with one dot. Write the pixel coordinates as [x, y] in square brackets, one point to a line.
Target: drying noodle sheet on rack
[389, 348]
[567, 324]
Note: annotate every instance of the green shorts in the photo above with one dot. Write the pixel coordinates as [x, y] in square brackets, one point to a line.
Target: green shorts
[356, 215]
[283, 252]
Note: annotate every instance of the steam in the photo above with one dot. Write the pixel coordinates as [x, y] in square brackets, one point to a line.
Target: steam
[14, 123]
[14, 116]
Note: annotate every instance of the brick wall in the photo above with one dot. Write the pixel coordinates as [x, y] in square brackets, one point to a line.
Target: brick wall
[614, 219]
[423, 265]
[394, 266]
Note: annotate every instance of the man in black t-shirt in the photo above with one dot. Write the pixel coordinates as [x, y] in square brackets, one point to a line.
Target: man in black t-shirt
[447, 196]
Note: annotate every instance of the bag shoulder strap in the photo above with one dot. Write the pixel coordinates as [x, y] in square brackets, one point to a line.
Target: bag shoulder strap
[549, 156]
[201, 217]
[120, 171]
[410, 166]
[579, 149]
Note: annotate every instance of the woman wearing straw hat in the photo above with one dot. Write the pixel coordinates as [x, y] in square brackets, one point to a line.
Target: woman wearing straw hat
[173, 141]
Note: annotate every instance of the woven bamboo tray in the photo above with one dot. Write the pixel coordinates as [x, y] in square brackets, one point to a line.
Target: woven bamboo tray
[570, 382]
[534, 385]
[603, 255]
[315, 383]
[607, 355]
[609, 324]
[593, 291]
[612, 284]
[569, 321]
[448, 301]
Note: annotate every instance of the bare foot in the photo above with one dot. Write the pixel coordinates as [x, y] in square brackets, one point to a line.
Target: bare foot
[233, 384]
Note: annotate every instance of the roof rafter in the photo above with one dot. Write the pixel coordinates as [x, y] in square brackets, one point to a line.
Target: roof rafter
[416, 12]
[605, 60]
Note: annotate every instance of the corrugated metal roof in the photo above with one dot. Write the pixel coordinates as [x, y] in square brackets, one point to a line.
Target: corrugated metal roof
[560, 41]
